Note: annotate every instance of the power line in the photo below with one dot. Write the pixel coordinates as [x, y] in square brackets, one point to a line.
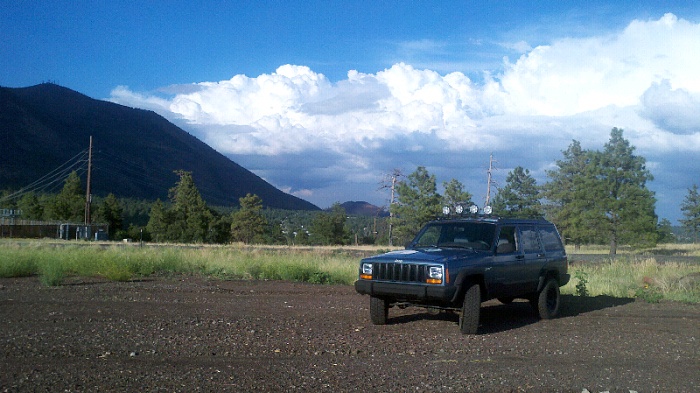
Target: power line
[59, 174]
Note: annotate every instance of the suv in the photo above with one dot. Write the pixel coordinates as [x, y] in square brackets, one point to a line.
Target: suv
[456, 264]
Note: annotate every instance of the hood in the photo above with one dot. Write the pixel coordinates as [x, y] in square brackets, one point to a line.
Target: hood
[436, 254]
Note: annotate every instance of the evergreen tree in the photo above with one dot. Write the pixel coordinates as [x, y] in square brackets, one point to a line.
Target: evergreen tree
[158, 222]
[190, 215]
[418, 203]
[248, 224]
[220, 229]
[520, 196]
[110, 212]
[31, 206]
[567, 195]
[691, 211]
[69, 204]
[665, 232]
[329, 228]
[454, 194]
[274, 234]
[623, 205]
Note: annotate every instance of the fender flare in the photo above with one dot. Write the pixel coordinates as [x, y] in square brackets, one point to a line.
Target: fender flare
[467, 277]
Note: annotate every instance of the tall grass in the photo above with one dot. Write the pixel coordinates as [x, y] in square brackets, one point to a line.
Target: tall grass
[54, 264]
[645, 278]
[625, 276]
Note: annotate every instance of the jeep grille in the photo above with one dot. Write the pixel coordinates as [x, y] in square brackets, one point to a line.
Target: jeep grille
[403, 272]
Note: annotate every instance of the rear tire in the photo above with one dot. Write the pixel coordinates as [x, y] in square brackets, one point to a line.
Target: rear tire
[548, 301]
[378, 310]
[469, 317]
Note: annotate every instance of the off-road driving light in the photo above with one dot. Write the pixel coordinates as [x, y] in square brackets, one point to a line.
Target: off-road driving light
[446, 210]
[435, 274]
[473, 209]
[459, 209]
[366, 271]
[488, 210]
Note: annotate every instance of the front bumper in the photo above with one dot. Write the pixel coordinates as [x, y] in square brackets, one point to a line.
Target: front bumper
[405, 292]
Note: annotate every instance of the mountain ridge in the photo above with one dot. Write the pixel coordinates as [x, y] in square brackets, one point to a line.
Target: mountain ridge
[136, 151]
[363, 208]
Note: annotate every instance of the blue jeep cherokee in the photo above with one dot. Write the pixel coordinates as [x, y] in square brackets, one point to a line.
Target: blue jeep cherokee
[456, 264]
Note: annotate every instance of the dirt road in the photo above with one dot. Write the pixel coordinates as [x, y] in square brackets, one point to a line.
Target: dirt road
[194, 334]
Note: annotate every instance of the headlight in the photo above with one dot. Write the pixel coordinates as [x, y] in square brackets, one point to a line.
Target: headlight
[435, 272]
[435, 275]
[366, 271]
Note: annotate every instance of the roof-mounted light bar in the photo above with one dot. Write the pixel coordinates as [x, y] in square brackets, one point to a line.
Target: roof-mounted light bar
[460, 209]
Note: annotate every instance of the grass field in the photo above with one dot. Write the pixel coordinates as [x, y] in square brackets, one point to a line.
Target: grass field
[629, 275]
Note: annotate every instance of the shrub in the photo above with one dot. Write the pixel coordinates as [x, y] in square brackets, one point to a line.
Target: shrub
[581, 285]
[52, 274]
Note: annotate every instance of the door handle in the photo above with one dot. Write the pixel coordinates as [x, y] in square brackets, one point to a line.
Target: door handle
[520, 257]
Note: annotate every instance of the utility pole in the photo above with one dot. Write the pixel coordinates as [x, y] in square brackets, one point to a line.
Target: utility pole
[88, 196]
[489, 181]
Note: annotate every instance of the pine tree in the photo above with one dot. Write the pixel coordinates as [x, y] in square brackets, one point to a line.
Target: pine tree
[520, 196]
[248, 224]
[455, 194]
[691, 211]
[623, 205]
[158, 222]
[329, 228]
[569, 206]
[110, 212]
[418, 203]
[665, 231]
[31, 206]
[69, 204]
[190, 215]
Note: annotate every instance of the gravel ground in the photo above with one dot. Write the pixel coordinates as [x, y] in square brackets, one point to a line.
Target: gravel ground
[194, 334]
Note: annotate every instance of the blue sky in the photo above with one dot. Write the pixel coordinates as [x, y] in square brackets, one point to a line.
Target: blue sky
[323, 98]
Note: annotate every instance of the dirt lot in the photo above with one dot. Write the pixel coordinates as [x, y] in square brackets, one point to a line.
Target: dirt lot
[193, 334]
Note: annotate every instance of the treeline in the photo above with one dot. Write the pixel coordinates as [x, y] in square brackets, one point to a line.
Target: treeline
[594, 197]
[186, 218]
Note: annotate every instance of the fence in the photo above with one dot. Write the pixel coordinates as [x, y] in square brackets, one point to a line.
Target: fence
[32, 229]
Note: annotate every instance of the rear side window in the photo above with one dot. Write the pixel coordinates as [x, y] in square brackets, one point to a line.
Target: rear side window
[550, 238]
[507, 241]
[531, 244]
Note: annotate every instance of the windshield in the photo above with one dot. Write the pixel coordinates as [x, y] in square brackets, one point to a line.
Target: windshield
[471, 235]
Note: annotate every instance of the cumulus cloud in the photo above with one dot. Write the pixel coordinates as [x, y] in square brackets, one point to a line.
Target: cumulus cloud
[319, 138]
[576, 75]
[674, 110]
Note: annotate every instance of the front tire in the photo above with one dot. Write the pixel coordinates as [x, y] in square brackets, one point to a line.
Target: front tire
[469, 317]
[548, 301]
[378, 310]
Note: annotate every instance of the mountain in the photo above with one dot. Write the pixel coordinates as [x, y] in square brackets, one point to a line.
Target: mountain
[361, 208]
[135, 151]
